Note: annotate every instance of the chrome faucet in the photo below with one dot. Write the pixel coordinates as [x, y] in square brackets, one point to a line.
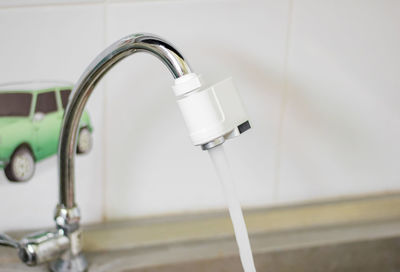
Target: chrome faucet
[63, 246]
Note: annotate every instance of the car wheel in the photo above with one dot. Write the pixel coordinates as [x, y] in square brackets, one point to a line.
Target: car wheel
[21, 166]
[84, 141]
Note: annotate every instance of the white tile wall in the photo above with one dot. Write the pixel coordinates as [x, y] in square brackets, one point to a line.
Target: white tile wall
[319, 79]
[342, 124]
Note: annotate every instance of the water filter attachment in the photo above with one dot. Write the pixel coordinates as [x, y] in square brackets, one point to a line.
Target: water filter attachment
[212, 114]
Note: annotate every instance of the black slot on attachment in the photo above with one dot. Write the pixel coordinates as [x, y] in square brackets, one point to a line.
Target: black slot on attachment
[244, 126]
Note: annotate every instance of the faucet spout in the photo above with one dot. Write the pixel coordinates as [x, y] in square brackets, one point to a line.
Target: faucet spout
[225, 119]
[67, 215]
[126, 46]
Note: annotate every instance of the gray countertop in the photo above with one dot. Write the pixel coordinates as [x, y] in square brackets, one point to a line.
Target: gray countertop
[346, 235]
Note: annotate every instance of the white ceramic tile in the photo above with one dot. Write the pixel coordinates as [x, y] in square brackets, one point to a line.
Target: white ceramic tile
[342, 124]
[151, 165]
[52, 43]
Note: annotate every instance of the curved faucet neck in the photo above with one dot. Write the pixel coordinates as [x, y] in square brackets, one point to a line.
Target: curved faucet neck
[126, 46]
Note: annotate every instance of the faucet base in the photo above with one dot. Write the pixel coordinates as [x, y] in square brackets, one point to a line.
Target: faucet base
[74, 264]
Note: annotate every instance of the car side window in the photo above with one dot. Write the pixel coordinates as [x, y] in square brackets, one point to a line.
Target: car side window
[46, 102]
[64, 97]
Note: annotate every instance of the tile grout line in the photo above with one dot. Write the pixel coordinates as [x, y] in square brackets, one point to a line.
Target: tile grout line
[283, 104]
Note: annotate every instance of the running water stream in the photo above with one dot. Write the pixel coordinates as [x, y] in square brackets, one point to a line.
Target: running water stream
[224, 173]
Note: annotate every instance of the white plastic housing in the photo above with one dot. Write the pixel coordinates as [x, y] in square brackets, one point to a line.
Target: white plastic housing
[213, 112]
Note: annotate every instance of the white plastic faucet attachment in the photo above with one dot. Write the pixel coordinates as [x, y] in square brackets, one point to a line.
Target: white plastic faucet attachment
[215, 113]
[212, 115]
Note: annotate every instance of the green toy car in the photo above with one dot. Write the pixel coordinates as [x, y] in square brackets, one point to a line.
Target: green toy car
[30, 123]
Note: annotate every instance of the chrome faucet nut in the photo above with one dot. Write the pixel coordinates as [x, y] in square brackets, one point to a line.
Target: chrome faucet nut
[67, 218]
